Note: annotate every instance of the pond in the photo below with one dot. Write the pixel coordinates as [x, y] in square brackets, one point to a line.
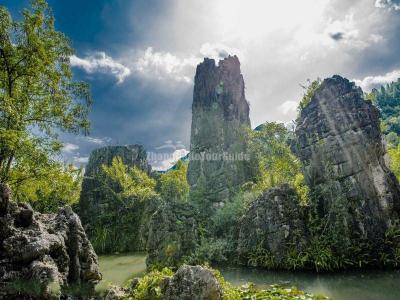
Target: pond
[382, 285]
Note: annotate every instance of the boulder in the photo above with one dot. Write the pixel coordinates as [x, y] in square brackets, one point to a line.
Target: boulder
[47, 254]
[193, 283]
[220, 121]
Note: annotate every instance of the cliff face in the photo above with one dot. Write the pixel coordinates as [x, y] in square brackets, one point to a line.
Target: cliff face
[339, 143]
[103, 216]
[43, 256]
[220, 118]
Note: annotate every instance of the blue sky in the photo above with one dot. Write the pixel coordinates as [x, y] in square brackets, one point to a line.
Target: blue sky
[140, 57]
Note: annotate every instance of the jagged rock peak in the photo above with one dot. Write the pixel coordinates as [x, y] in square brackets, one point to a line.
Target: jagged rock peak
[131, 155]
[220, 118]
[222, 84]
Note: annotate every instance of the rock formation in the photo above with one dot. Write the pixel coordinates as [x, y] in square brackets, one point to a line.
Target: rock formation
[172, 234]
[220, 120]
[91, 203]
[274, 222]
[193, 283]
[43, 256]
[97, 199]
[340, 145]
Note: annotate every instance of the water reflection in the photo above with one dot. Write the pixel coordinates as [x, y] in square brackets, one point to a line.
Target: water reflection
[382, 285]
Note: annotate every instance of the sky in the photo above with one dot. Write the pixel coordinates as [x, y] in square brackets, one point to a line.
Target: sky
[140, 56]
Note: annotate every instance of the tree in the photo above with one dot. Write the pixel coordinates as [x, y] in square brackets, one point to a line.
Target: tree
[38, 96]
[387, 98]
[174, 185]
[129, 183]
[310, 88]
[48, 195]
[394, 154]
[273, 162]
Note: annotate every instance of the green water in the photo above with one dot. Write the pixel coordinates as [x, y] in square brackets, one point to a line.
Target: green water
[374, 285]
[118, 269]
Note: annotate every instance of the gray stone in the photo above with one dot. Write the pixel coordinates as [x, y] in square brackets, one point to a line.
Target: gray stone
[274, 222]
[340, 145]
[193, 283]
[220, 121]
[50, 251]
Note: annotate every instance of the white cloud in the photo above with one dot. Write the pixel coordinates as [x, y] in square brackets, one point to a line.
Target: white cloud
[102, 63]
[69, 147]
[288, 107]
[81, 159]
[98, 141]
[164, 65]
[389, 4]
[218, 51]
[169, 161]
[370, 82]
[159, 65]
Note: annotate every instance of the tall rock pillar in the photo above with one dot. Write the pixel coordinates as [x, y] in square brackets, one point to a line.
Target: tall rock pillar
[340, 145]
[220, 122]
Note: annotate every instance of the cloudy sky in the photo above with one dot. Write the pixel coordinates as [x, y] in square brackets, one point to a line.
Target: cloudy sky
[140, 57]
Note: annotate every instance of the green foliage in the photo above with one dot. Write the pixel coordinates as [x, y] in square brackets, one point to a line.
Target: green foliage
[149, 287]
[394, 154]
[273, 161]
[129, 183]
[127, 192]
[387, 98]
[310, 88]
[174, 185]
[38, 98]
[211, 250]
[48, 195]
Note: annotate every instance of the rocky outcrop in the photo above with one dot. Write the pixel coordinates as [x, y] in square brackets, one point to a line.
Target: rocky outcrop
[172, 235]
[275, 223]
[43, 256]
[220, 120]
[193, 283]
[340, 145]
[98, 199]
[93, 200]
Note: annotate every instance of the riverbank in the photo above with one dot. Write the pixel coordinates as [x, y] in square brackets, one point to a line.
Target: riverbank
[383, 285]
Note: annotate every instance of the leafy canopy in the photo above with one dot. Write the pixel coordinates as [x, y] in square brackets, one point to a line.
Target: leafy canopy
[387, 98]
[310, 89]
[394, 154]
[38, 96]
[275, 162]
[129, 182]
[174, 185]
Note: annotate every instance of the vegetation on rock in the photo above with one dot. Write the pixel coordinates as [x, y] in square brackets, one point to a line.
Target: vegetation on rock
[205, 283]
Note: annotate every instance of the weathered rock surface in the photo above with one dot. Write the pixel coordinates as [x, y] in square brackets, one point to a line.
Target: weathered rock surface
[42, 256]
[220, 118]
[172, 234]
[98, 199]
[193, 283]
[275, 222]
[339, 143]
